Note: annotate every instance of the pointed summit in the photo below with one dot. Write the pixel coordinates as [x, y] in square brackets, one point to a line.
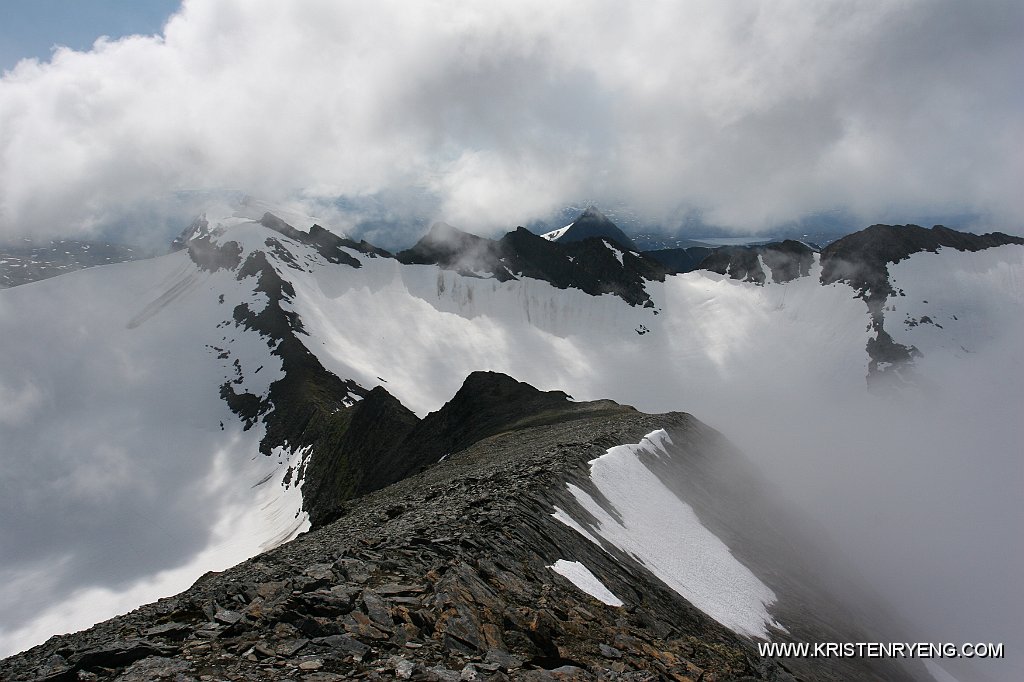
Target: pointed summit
[593, 223]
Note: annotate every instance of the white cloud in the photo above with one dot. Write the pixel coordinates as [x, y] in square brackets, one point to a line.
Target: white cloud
[754, 113]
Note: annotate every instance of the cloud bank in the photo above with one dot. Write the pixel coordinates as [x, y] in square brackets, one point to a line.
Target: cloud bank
[752, 113]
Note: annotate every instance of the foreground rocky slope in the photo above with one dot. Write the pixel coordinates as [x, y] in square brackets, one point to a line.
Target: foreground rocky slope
[447, 575]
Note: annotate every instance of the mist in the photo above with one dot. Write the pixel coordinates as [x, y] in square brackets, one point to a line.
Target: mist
[752, 115]
[917, 495]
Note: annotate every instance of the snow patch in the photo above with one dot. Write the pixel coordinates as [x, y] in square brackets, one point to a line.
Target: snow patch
[555, 235]
[580, 576]
[616, 251]
[664, 534]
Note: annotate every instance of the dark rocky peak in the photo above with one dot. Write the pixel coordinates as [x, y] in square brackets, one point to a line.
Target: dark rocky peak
[593, 223]
[486, 404]
[786, 260]
[861, 259]
[211, 251]
[489, 387]
[206, 253]
[441, 234]
[212, 256]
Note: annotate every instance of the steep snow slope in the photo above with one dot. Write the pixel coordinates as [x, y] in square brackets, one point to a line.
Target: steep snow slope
[125, 474]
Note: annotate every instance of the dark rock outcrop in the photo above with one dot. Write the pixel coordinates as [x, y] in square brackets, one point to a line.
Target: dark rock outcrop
[359, 453]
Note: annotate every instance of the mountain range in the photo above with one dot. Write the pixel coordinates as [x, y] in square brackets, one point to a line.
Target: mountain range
[353, 431]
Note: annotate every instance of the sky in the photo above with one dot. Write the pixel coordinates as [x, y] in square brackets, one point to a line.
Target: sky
[32, 28]
[488, 116]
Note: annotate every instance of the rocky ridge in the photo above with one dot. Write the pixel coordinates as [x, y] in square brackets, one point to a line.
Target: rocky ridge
[445, 575]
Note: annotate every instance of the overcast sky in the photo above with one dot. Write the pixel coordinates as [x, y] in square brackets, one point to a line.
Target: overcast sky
[499, 113]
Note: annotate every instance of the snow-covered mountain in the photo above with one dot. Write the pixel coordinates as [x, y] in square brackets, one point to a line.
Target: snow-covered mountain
[166, 417]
